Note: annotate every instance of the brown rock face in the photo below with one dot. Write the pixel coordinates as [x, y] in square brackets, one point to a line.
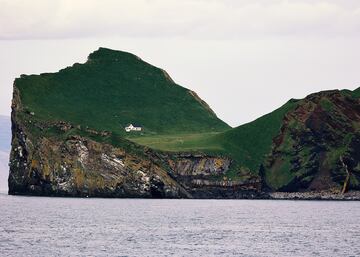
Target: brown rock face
[320, 132]
[82, 167]
[200, 166]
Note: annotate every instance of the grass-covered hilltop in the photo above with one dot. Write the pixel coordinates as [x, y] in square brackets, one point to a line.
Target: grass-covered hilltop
[112, 89]
[69, 138]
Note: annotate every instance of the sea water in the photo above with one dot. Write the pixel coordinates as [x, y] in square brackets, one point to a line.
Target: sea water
[43, 226]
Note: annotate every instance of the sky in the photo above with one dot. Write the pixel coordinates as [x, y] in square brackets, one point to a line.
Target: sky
[245, 58]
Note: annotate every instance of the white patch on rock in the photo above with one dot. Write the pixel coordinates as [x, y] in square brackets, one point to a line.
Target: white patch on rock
[19, 149]
[83, 152]
[145, 179]
[112, 161]
[63, 168]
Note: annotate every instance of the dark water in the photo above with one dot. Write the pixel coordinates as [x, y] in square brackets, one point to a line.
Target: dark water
[122, 227]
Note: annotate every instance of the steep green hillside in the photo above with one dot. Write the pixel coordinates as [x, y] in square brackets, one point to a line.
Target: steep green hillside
[249, 143]
[112, 89]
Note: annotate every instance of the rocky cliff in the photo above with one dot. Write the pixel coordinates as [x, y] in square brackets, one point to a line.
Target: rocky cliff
[68, 139]
[318, 145]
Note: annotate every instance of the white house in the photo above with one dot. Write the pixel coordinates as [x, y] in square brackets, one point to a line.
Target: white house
[133, 127]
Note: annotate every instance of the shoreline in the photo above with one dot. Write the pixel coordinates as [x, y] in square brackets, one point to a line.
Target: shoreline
[322, 196]
[300, 196]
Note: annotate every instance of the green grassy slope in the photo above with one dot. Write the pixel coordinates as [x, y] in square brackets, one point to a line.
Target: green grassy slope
[112, 89]
[354, 93]
[206, 142]
[247, 144]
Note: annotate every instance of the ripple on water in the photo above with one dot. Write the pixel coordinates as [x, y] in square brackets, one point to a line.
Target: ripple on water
[131, 227]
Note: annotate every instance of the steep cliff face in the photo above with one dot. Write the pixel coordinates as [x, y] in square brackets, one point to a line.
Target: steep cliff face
[318, 145]
[83, 167]
[206, 176]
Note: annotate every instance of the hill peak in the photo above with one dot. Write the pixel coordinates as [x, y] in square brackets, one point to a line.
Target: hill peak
[109, 54]
[112, 89]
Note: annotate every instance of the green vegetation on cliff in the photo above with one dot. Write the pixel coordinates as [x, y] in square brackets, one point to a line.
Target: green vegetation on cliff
[113, 89]
[317, 145]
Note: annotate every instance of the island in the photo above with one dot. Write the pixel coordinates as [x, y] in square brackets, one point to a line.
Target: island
[117, 126]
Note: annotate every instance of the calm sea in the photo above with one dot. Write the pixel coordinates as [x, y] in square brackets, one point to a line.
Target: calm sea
[33, 226]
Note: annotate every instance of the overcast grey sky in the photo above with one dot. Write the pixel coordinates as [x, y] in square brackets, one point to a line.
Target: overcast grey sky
[244, 57]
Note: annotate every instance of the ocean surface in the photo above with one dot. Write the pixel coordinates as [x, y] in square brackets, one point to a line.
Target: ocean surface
[32, 226]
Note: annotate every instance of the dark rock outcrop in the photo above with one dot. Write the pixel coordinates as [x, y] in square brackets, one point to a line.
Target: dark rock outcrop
[318, 145]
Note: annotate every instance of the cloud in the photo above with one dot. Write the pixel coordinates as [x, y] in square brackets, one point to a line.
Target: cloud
[197, 19]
